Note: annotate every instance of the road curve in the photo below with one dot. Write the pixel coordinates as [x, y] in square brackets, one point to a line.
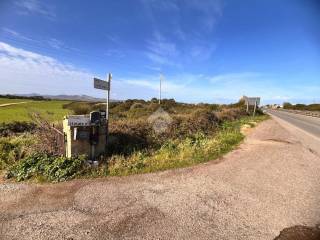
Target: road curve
[306, 123]
[10, 104]
[269, 183]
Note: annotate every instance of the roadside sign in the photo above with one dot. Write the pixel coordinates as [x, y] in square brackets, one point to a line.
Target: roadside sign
[78, 120]
[100, 84]
[252, 101]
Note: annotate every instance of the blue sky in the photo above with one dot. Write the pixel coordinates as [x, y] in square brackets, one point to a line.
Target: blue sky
[207, 51]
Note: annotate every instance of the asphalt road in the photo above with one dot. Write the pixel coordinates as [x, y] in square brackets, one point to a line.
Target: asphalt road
[270, 182]
[306, 123]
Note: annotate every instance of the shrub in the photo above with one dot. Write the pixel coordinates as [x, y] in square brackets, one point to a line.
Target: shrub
[46, 167]
[79, 107]
[13, 149]
[177, 153]
[311, 107]
[7, 129]
[127, 136]
[230, 114]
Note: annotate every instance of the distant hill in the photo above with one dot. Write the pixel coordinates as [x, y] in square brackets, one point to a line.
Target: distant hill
[65, 97]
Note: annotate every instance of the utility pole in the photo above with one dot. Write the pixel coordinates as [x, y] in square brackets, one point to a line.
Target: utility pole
[107, 105]
[161, 76]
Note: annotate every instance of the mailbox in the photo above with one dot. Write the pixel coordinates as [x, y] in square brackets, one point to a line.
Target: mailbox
[95, 118]
[85, 134]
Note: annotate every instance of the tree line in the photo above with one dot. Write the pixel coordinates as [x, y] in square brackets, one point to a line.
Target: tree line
[299, 106]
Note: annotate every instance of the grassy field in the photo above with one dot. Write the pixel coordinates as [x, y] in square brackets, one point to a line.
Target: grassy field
[8, 100]
[51, 110]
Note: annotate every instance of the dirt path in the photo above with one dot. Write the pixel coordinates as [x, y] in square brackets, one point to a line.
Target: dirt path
[269, 183]
[9, 104]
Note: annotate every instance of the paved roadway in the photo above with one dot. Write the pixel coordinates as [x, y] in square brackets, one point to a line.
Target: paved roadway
[306, 123]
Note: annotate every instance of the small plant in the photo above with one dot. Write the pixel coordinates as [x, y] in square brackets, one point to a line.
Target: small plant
[49, 168]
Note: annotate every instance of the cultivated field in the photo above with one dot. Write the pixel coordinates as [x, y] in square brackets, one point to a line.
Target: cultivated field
[50, 110]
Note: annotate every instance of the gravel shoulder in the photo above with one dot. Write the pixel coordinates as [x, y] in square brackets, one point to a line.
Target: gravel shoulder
[271, 182]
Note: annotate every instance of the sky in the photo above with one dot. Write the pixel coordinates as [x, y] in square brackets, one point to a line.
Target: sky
[207, 50]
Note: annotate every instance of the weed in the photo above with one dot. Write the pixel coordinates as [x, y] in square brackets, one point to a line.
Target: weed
[49, 168]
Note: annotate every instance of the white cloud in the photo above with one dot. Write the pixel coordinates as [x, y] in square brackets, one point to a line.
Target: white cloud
[15, 34]
[115, 53]
[161, 51]
[210, 11]
[35, 7]
[55, 43]
[25, 72]
[202, 52]
[235, 77]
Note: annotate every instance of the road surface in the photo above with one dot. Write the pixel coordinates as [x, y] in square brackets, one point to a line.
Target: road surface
[9, 104]
[306, 123]
[271, 182]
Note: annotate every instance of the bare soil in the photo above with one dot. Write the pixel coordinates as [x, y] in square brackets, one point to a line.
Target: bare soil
[299, 233]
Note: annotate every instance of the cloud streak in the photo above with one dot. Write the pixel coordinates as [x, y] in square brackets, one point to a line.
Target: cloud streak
[35, 7]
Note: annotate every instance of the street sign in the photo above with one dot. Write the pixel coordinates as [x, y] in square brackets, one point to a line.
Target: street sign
[251, 101]
[100, 84]
[78, 120]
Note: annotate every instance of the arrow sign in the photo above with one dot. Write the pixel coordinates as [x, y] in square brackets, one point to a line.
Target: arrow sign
[100, 84]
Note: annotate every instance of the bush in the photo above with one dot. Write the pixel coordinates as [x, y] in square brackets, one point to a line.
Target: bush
[13, 149]
[302, 107]
[79, 107]
[7, 129]
[44, 167]
[127, 136]
[230, 114]
[177, 153]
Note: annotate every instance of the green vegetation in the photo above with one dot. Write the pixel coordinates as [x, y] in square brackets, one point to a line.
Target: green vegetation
[50, 110]
[14, 149]
[47, 168]
[302, 107]
[8, 100]
[195, 133]
[7, 129]
[176, 153]
[17, 97]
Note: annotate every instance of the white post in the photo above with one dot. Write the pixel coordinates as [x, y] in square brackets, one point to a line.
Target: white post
[160, 89]
[255, 106]
[107, 106]
[108, 96]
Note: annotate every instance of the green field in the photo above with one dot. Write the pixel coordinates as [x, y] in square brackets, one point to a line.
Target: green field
[8, 100]
[50, 110]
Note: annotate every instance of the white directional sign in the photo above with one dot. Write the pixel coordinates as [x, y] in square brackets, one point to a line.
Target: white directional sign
[100, 84]
[78, 120]
[252, 101]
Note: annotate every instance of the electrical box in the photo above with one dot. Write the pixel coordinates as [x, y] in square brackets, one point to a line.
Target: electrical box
[85, 134]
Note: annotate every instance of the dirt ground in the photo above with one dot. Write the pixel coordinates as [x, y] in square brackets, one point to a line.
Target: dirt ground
[299, 233]
[271, 182]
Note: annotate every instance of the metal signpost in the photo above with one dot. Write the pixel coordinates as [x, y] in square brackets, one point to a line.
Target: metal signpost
[101, 84]
[252, 101]
[104, 85]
